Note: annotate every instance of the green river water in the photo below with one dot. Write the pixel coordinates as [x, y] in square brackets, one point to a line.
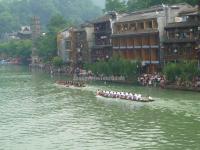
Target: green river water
[35, 114]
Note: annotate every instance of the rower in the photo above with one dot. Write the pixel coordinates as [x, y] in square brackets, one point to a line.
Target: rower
[114, 94]
[117, 94]
[150, 98]
[136, 96]
[107, 93]
[98, 91]
[139, 96]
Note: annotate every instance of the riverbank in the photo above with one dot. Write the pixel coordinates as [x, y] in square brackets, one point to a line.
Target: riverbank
[69, 72]
[50, 69]
[175, 87]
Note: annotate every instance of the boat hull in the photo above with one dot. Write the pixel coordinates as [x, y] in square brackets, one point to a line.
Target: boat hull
[143, 99]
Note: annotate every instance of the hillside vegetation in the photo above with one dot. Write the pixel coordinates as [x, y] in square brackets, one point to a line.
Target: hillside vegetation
[14, 13]
[132, 5]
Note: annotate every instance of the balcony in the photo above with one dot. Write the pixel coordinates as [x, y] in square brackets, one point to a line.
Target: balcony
[101, 46]
[179, 40]
[135, 33]
[171, 57]
[183, 24]
[103, 32]
[116, 47]
[154, 46]
[137, 47]
[150, 62]
[129, 47]
[122, 47]
[146, 46]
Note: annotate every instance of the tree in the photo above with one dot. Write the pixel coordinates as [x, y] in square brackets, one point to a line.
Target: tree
[116, 5]
[133, 5]
[115, 66]
[47, 45]
[57, 61]
[17, 49]
[185, 70]
[12, 16]
[56, 23]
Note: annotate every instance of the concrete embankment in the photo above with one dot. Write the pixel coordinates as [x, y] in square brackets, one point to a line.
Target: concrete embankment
[175, 87]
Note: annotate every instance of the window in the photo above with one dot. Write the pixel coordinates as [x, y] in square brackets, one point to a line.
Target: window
[125, 27]
[141, 25]
[132, 26]
[68, 45]
[155, 24]
[149, 25]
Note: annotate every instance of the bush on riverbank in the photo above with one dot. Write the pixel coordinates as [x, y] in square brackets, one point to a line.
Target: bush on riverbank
[115, 67]
[183, 71]
[17, 49]
[57, 61]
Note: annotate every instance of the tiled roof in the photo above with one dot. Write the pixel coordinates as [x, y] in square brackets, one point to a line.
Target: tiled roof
[150, 13]
[102, 19]
[132, 17]
[189, 11]
[182, 24]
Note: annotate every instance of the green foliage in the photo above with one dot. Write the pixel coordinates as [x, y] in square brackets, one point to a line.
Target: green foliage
[57, 61]
[56, 23]
[15, 13]
[18, 48]
[185, 70]
[116, 5]
[47, 45]
[115, 66]
[6, 18]
[132, 5]
[171, 71]
[136, 4]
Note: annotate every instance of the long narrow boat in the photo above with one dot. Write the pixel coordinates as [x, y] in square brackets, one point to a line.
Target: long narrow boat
[130, 96]
[70, 84]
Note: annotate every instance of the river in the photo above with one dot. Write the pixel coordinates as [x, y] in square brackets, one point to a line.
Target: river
[36, 114]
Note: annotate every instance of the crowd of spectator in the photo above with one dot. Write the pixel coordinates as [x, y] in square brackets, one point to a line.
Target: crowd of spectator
[154, 79]
[195, 83]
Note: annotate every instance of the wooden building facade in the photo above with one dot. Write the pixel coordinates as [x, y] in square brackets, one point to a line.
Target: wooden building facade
[81, 48]
[182, 40]
[139, 35]
[66, 45]
[102, 48]
[74, 45]
[138, 39]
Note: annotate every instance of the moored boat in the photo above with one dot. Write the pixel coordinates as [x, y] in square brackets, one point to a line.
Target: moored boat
[124, 96]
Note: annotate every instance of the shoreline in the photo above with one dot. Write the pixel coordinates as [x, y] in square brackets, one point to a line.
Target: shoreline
[181, 88]
[125, 82]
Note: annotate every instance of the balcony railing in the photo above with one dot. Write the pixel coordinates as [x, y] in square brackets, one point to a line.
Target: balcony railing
[116, 47]
[102, 32]
[148, 30]
[179, 56]
[150, 62]
[179, 40]
[101, 46]
[102, 42]
[136, 47]
[183, 24]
